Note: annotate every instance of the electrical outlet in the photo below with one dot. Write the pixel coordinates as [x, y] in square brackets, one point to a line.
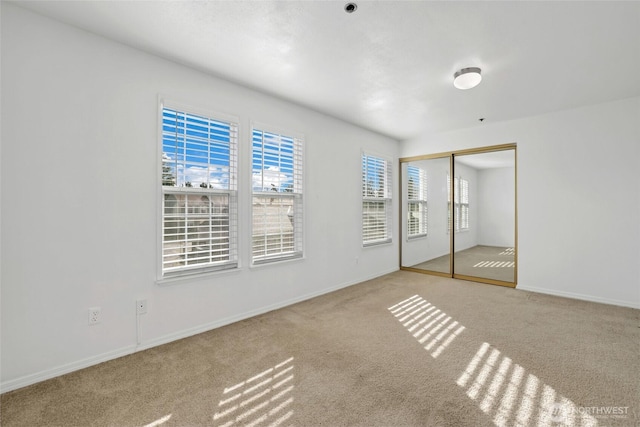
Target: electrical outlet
[141, 306]
[94, 316]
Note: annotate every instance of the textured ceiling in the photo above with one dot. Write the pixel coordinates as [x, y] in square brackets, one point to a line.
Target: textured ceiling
[389, 66]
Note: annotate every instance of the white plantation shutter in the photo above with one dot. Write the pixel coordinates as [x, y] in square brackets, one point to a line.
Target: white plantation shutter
[199, 186]
[376, 200]
[449, 216]
[460, 203]
[464, 204]
[417, 202]
[277, 207]
[456, 199]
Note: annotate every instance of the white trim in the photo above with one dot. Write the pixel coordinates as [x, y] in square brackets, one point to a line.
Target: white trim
[416, 236]
[105, 357]
[582, 297]
[277, 261]
[196, 275]
[64, 369]
[252, 313]
[377, 243]
[159, 191]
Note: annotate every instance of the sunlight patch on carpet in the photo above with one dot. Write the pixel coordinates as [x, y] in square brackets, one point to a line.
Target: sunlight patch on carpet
[262, 400]
[159, 421]
[496, 264]
[504, 390]
[428, 324]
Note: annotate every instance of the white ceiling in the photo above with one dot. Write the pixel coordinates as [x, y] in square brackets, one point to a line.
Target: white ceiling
[389, 66]
[490, 160]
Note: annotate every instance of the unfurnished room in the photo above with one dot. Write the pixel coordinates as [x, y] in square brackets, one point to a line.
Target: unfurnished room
[319, 213]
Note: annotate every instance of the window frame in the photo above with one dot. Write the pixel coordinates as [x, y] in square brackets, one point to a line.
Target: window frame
[165, 276]
[369, 197]
[420, 202]
[460, 214]
[296, 196]
[464, 204]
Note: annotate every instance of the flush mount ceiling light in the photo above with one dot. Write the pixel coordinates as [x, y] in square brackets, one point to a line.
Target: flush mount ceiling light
[467, 78]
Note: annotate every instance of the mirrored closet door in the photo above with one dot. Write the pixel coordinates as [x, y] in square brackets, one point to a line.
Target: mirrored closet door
[426, 244]
[458, 214]
[484, 216]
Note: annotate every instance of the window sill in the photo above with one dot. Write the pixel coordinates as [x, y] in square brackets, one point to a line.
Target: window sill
[466, 230]
[277, 261]
[416, 237]
[376, 243]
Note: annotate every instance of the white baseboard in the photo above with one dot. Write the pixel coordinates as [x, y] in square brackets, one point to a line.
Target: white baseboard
[248, 314]
[64, 369]
[583, 297]
[30, 379]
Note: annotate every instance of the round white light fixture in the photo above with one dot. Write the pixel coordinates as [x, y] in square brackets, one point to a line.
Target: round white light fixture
[467, 78]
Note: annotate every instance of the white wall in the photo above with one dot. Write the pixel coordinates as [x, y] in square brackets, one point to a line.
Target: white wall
[80, 199]
[578, 197]
[496, 207]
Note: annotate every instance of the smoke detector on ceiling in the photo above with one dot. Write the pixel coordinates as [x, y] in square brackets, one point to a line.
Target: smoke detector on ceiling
[350, 7]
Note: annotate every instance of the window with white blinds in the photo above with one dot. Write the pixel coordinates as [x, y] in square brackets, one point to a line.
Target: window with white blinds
[376, 200]
[460, 205]
[464, 204]
[277, 208]
[416, 202]
[199, 192]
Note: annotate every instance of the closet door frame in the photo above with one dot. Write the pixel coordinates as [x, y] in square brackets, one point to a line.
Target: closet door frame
[451, 155]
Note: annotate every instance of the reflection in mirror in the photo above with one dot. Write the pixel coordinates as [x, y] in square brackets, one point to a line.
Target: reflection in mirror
[426, 241]
[484, 215]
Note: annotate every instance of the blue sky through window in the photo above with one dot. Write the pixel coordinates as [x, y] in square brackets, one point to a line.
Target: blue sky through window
[196, 150]
[414, 182]
[273, 161]
[374, 176]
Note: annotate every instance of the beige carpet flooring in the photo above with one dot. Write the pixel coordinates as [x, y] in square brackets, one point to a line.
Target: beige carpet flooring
[488, 262]
[404, 349]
